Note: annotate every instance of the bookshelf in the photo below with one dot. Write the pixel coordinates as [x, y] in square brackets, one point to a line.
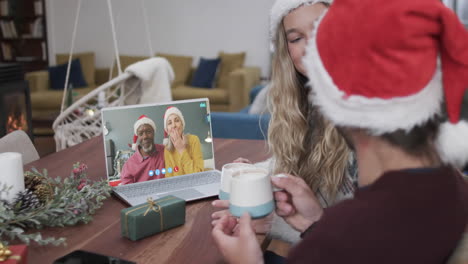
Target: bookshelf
[23, 33]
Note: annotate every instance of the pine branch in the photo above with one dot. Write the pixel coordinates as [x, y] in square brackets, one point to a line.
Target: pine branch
[74, 200]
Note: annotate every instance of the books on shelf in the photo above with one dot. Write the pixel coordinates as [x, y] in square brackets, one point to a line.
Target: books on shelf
[22, 33]
[4, 8]
[44, 52]
[13, 29]
[7, 51]
[8, 29]
[26, 58]
[38, 8]
[37, 28]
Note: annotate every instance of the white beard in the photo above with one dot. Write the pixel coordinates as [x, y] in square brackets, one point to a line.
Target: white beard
[147, 150]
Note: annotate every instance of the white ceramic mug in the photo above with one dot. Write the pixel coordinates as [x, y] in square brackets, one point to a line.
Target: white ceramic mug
[251, 191]
[226, 174]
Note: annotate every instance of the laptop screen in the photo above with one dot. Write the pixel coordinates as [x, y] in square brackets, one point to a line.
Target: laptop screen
[156, 141]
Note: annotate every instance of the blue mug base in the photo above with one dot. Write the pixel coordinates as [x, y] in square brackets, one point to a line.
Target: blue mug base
[223, 195]
[255, 212]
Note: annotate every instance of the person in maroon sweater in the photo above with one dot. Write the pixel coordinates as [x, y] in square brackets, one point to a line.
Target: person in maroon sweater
[147, 163]
[393, 76]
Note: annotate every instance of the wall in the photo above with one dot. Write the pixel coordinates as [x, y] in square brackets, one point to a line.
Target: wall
[460, 7]
[185, 27]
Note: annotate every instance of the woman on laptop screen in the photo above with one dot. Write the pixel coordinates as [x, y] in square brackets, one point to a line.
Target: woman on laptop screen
[182, 152]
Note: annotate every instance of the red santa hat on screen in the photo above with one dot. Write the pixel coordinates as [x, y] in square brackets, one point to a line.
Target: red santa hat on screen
[281, 8]
[171, 110]
[388, 65]
[142, 120]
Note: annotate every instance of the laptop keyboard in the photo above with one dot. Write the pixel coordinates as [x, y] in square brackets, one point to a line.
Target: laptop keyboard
[186, 194]
[169, 185]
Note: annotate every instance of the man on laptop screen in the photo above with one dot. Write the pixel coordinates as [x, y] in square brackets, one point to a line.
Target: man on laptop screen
[148, 156]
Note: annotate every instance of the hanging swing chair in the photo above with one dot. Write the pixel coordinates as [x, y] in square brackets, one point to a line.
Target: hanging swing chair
[81, 120]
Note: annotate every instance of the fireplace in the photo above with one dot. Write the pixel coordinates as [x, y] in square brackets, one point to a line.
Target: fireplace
[15, 103]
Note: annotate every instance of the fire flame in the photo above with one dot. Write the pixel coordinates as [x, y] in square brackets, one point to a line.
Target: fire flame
[18, 123]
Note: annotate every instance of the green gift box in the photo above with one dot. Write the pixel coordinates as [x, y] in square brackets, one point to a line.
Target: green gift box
[152, 217]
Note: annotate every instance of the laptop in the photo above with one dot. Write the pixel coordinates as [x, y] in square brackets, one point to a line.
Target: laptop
[140, 166]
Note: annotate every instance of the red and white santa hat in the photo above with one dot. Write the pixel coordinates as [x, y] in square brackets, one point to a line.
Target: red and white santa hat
[388, 65]
[169, 111]
[142, 120]
[280, 9]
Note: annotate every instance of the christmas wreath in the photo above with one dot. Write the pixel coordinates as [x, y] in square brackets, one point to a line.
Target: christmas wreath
[48, 202]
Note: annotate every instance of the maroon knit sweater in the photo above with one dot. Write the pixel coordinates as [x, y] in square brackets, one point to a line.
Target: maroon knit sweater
[408, 216]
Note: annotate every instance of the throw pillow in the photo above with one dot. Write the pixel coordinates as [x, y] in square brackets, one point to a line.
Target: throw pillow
[87, 64]
[205, 73]
[181, 65]
[229, 62]
[58, 73]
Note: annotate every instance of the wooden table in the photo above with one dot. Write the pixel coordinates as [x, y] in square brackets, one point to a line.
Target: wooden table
[190, 243]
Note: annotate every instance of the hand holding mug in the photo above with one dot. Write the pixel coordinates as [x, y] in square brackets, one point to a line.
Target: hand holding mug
[237, 246]
[297, 204]
[261, 226]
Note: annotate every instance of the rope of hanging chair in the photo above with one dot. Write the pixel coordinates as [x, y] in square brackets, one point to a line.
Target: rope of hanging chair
[114, 37]
[82, 119]
[67, 76]
[113, 61]
[75, 27]
[148, 35]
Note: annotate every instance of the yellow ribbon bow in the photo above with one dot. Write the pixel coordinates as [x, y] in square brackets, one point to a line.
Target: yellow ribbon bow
[5, 253]
[151, 204]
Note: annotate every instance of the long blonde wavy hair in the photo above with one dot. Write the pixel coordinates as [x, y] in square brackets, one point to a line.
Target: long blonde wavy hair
[303, 143]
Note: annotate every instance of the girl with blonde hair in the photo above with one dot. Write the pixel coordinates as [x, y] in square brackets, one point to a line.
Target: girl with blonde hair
[302, 142]
[182, 152]
[314, 150]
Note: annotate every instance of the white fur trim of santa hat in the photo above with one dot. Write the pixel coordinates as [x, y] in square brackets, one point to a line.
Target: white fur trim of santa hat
[143, 120]
[173, 110]
[281, 8]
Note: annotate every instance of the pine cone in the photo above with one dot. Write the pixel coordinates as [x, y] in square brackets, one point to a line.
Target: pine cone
[31, 181]
[43, 192]
[26, 199]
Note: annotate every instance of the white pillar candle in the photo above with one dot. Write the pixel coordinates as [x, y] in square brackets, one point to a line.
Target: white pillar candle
[11, 174]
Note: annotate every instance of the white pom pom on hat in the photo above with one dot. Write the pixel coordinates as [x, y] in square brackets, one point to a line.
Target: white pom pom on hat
[452, 143]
